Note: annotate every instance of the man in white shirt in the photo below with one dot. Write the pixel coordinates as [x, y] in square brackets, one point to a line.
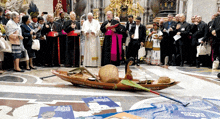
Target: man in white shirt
[138, 35]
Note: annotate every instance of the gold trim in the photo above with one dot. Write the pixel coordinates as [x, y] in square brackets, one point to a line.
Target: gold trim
[156, 49]
[95, 58]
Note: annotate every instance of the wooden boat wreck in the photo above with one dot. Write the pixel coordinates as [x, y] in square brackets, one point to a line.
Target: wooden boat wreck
[85, 78]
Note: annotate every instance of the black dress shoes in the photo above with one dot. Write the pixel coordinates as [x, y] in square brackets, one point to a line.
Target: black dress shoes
[18, 70]
[28, 69]
[33, 68]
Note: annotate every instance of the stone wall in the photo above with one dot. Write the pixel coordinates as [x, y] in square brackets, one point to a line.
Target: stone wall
[204, 8]
[44, 6]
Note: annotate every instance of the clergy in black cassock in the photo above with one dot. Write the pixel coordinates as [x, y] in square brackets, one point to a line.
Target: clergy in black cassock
[122, 29]
[63, 42]
[73, 53]
[107, 45]
[167, 47]
[53, 50]
[215, 30]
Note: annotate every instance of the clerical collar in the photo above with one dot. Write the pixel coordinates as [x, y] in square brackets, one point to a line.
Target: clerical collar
[110, 21]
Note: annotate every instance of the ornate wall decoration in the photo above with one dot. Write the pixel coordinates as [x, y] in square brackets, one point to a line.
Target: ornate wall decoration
[2, 3]
[18, 5]
[96, 14]
[116, 6]
[161, 8]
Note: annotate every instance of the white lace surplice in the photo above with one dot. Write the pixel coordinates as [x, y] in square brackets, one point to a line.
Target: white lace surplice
[92, 52]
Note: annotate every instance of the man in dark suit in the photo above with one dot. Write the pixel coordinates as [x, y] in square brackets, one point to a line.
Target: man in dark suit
[138, 35]
[182, 29]
[167, 47]
[192, 49]
[129, 23]
[128, 28]
[199, 36]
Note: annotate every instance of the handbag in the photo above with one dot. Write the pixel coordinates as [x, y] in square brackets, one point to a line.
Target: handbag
[141, 52]
[215, 64]
[149, 44]
[2, 44]
[25, 56]
[201, 50]
[7, 45]
[35, 44]
[23, 53]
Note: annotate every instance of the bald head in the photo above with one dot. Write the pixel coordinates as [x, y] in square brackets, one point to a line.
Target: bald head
[177, 17]
[109, 15]
[73, 16]
[50, 18]
[199, 19]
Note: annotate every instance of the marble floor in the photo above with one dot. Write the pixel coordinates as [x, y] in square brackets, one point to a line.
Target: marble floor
[22, 94]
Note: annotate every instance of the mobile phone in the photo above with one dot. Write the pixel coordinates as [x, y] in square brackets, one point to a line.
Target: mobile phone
[45, 12]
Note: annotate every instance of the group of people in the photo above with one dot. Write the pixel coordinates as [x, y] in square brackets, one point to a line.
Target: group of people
[177, 42]
[60, 40]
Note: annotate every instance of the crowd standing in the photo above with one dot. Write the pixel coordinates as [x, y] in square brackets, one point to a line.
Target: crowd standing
[174, 42]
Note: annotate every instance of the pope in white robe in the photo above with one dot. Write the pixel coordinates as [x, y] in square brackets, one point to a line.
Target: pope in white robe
[92, 51]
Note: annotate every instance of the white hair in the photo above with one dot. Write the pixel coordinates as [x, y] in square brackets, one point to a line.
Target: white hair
[89, 14]
[117, 18]
[14, 15]
[183, 15]
[109, 12]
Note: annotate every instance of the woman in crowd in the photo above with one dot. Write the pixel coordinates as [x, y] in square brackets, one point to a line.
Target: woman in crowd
[28, 34]
[155, 35]
[13, 32]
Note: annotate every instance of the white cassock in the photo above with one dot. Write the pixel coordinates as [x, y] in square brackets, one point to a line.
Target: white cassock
[92, 52]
